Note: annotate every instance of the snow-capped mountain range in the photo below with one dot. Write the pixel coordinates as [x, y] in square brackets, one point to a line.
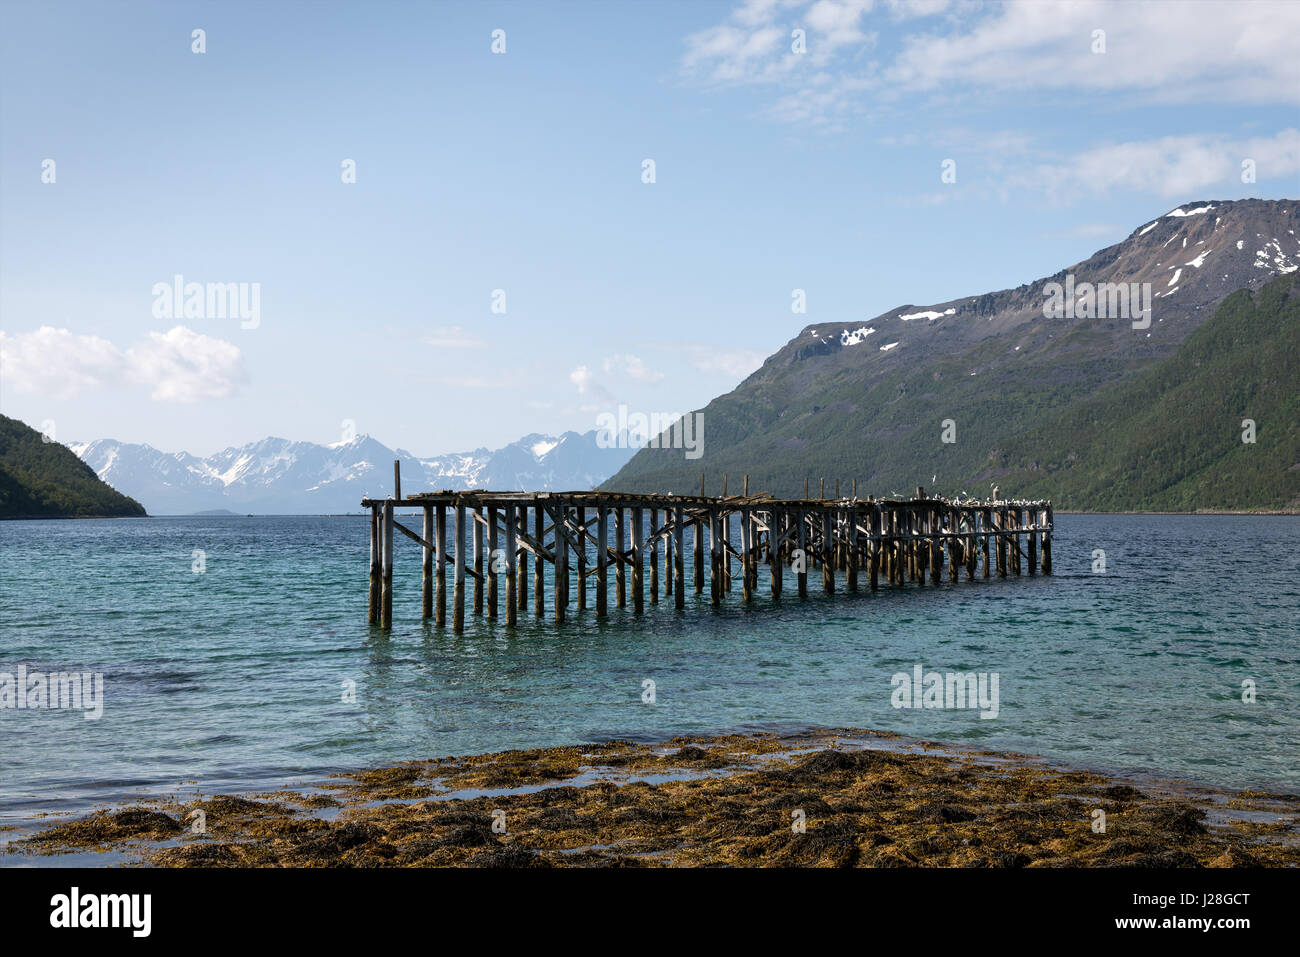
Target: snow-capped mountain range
[277, 476]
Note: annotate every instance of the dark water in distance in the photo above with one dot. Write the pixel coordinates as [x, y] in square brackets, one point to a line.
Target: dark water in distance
[233, 678]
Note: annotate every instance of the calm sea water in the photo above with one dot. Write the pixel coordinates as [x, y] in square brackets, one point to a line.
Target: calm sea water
[233, 678]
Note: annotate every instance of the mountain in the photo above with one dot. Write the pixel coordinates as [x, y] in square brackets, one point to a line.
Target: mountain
[43, 479]
[279, 476]
[873, 400]
[1170, 439]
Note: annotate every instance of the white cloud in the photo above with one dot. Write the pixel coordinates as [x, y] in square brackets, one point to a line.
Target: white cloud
[177, 366]
[581, 377]
[181, 365]
[58, 363]
[1174, 166]
[1172, 52]
[1220, 51]
[453, 337]
[632, 367]
[731, 363]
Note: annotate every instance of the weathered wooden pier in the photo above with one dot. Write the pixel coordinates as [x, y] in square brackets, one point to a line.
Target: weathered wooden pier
[495, 535]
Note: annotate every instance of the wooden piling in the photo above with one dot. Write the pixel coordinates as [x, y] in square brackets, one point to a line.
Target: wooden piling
[539, 563]
[620, 568]
[715, 560]
[852, 518]
[560, 570]
[638, 566]
[376, 568]
[697, 542]
[521, 517]
[440, 560]
[386, 612]
[828, 552]
[493, 553]
[458, 578]
[679, 560]
[1047, 542]
[581, 557]
[1031, 518]
[654, 556]
[602, 559]
[477, 524]
[426, 564]
[803, 553]
[512, 567]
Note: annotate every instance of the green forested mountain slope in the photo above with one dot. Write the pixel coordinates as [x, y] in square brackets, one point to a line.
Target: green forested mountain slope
[1171, 439]
[46, 480]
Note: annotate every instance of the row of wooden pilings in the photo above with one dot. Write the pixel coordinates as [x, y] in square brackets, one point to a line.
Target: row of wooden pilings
[495, 534]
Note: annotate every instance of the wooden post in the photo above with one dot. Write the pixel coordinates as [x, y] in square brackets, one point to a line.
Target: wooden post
[724, 519]
[458, 580]
[397, 480]
[1031, 518]
[539, 563]
[670, 547]
[828, 552]
[1001, 521]
[376, 569]
[803, 552]
[775, 559]
[853, 540]
[521, 519]
[715, 560]
[654, 556]
[602, 559]
[986, 526]
[970, 544]
[478, 561]
[512, 567]
[426, 565]
[440, 559]
[898, 559]
[679, 560]
[874, 542]
[493, 553]
[746, 551]
[560, 570]
[638, 566]
[954, 545]
[620, 569]
[1014, 523]
[582, 558]
[698, 543]
[386, 614]
[1047, 543]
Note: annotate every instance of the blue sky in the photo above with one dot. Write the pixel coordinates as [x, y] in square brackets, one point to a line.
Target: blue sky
[522, 172]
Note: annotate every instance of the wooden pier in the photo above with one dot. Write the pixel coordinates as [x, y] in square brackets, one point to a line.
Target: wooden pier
[581, 535]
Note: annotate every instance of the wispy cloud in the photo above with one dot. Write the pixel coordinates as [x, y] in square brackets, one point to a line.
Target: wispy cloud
[1221, 51]
[453, 337]
[1173, 166]
[730, 363]
[632, 367]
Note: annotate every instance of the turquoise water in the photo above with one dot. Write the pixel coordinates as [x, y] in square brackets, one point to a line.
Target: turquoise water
[233, 678]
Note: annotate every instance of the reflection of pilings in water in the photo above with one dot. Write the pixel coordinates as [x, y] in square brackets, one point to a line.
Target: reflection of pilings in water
[896, 539]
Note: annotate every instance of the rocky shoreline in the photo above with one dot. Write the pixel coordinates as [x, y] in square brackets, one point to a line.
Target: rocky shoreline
[819, 799]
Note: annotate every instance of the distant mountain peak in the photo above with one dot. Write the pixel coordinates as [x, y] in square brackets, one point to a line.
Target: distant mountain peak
[274, 474]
